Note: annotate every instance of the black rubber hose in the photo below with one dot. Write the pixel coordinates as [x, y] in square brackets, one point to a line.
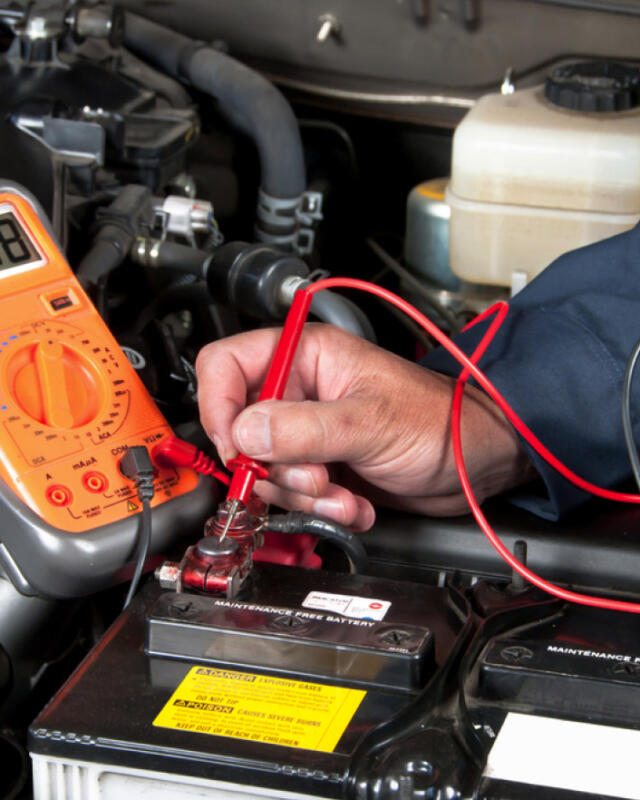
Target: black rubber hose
[117, 226]
[342, 312]
[236, 259]
[170, 255]
[194, 297]
[299, 522]
[252, 102]
[103, 257]
[168, 88]
[166, 49]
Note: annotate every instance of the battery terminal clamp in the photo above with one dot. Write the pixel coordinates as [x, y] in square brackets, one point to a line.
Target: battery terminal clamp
[216, 564]
[223, 559]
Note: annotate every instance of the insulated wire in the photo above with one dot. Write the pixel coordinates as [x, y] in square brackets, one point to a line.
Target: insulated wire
[144, 543]
[626, 413]
[296, 522]
[442, 339]
[470, 369]
[518, 566]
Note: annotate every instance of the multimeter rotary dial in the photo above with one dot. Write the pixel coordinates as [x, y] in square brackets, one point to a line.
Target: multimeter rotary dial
[59, 377]
[56, 385]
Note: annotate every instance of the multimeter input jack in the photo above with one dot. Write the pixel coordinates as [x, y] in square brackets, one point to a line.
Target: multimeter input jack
[95, 482]
[59, 495]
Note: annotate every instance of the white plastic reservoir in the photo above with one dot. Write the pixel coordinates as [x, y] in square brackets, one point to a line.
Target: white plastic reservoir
[531, 180]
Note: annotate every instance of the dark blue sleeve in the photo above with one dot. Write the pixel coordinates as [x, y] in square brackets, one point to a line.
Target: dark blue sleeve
[559, 360]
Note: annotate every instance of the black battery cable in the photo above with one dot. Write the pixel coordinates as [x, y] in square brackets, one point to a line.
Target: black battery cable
[299, 522]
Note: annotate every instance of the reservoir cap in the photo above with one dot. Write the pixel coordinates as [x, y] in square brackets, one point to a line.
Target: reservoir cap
[600, 86]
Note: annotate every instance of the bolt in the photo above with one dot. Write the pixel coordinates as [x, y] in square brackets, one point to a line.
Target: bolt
[518, 583]
[329, 26]
[422, 776]
[507, 87]
[168, 575]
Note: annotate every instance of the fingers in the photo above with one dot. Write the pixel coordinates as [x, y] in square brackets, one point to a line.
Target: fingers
[286, 432]
[228, 372]
[231, 372]
[450, 505]
[337, 503]
[308, 479]
[346, 401]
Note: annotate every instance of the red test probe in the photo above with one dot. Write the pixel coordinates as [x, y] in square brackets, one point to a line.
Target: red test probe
[246, 470]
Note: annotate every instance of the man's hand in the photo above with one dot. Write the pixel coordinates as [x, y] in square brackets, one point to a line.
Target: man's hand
[383, 420]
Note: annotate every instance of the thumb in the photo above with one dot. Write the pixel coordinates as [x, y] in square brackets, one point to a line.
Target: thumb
[309, 431]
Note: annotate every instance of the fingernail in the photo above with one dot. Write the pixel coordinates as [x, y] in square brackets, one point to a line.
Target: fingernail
[328, 507]
[254, 434]
[300, 480]
[368, 517]
[223, 453]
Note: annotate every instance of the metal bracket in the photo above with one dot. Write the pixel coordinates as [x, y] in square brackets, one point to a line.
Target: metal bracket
[465, 12]
[304, 242]
[309, 209]
[301, 212]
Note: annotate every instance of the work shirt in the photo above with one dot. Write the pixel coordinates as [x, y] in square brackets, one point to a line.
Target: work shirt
[559, 360]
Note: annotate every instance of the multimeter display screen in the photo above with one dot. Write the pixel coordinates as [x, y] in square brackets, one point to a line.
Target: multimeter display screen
[15, 247]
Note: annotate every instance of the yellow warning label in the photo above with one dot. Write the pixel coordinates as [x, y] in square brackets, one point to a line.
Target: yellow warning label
[131, 506]
[260, 708]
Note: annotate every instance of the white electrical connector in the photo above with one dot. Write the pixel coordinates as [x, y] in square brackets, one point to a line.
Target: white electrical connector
[184, 216]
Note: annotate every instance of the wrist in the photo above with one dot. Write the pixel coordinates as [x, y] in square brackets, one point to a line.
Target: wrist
[495, 458]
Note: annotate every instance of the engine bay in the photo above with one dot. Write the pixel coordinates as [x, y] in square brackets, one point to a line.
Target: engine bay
[172, 175]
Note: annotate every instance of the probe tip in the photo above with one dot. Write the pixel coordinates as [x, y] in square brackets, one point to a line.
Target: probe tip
[233, 509]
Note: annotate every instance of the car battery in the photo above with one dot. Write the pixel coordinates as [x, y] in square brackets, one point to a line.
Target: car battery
[270, 693]
[554, 706]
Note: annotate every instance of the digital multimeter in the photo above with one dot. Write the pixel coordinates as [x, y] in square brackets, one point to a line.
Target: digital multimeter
[70, 405]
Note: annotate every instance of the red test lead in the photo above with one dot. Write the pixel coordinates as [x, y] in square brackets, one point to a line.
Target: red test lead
[175, 452]
[246, 470]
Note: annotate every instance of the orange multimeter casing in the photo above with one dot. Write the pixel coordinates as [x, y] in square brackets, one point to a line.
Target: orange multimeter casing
[70, 402]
